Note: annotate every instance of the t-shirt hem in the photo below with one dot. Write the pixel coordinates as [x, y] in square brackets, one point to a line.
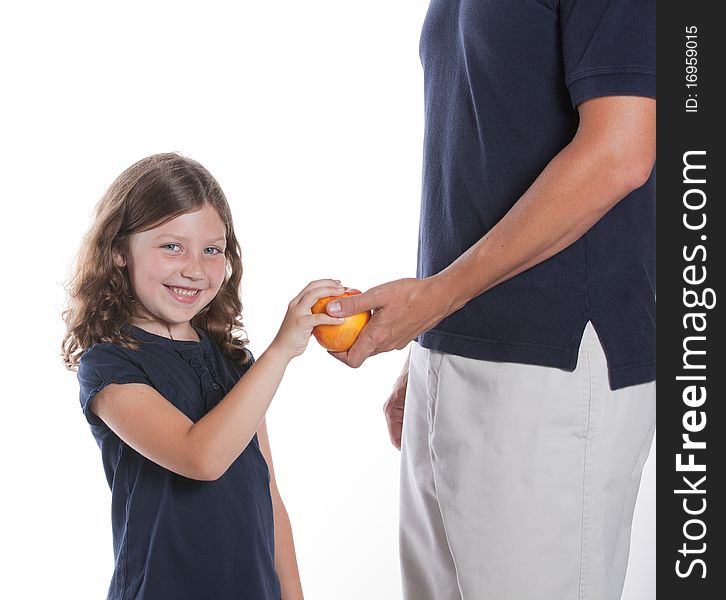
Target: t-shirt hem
[499, 351]
[530, 354]
[621, 377]
[623, 70]
[594, 83]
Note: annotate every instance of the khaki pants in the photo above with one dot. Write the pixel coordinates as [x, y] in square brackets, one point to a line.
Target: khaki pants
[518, 482]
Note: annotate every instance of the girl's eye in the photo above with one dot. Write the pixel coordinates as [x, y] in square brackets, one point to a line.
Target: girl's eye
[172, 247]
[212, 250]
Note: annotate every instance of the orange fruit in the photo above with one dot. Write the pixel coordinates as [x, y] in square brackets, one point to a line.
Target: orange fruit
[338, 338]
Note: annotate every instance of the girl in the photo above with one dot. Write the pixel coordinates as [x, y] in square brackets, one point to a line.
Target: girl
[174, 398]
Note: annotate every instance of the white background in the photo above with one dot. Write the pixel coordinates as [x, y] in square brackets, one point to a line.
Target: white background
[310, 116]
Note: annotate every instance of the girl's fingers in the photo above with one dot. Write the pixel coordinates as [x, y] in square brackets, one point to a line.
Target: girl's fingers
[322, 319]
[318, 283]
[313, 295]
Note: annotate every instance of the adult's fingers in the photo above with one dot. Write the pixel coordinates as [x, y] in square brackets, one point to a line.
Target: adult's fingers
[393, 410]
[357, 354]
[351, 305]
[394, 422]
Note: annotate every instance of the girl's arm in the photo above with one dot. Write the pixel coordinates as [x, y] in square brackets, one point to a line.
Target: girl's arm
[285, 559]
[155, 428]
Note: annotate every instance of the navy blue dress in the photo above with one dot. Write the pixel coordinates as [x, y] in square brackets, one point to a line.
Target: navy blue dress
[175, 537]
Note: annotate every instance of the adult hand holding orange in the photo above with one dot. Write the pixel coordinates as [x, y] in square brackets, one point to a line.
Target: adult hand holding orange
[339, 338]
[400, 310]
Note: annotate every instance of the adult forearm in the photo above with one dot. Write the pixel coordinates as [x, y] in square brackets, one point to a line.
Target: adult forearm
[574, 191]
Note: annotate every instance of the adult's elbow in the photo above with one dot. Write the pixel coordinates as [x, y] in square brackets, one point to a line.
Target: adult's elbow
[639, 172]
[620, 131]
[625, 173]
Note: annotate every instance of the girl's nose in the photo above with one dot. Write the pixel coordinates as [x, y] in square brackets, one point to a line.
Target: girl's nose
[193, 268]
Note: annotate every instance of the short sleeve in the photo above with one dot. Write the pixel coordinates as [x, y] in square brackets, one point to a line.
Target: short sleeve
[238, 369]
[608, 48]
[101, 365]
[244, 368]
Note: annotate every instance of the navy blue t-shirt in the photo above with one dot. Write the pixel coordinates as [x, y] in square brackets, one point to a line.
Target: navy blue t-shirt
[175, 537]
[502, 80]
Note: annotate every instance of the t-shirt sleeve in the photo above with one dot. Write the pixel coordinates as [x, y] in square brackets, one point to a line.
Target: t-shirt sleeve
[101, 365]
[608, 48]
[242, 369]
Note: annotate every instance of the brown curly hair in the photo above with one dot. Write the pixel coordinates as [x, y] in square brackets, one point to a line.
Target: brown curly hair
[149, 193]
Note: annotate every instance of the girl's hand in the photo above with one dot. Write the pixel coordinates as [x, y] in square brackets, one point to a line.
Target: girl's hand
[296, 328]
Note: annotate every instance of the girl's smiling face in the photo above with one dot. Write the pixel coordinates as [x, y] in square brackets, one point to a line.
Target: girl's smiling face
[175, 270]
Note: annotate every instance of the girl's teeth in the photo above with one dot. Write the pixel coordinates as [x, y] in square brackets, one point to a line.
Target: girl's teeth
[184, 292]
